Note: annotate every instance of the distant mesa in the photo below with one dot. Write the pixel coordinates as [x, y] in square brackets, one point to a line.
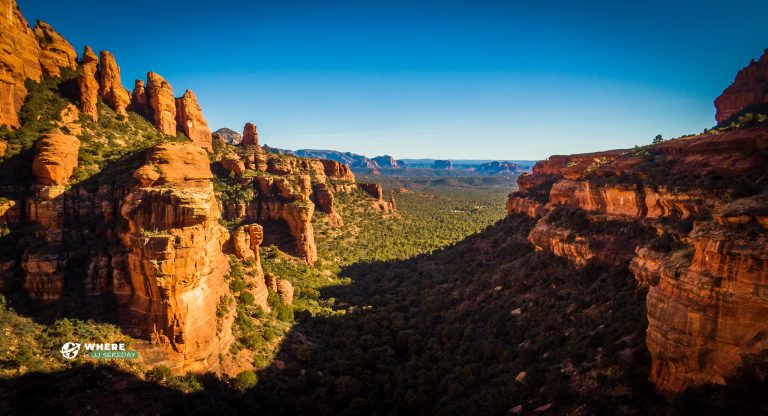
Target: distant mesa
[442, 164]
[749, 89]
[500, 168]
[386, 161]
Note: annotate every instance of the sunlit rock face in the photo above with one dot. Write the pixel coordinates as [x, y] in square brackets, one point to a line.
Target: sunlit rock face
[190, 120]
[55, 51]
[19, 60]
[111, 88]
[175, 262]
[750, 88]
[162, 104]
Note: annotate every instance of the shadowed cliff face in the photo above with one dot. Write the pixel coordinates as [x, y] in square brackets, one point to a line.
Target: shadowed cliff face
[688, 217]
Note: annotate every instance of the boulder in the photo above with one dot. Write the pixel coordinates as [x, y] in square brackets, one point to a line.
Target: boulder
[55, 158]
[285, 290]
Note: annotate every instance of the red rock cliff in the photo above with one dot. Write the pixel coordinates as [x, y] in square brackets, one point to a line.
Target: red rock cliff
[749, 88]
[56, 52]
[705, 304]
[175, 263]
[19, 60]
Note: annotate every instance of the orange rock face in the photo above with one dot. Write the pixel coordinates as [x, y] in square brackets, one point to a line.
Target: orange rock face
[175, 264]
[89, 86]
[706, 267]
[56, 52]
[705, 308]
[111, 88]
[749, 88]
[529, 207]
[162, 104]
[250, 135]
[189, 118]
[285, 290]
[55, 158]
[336, 170]
[19, 60]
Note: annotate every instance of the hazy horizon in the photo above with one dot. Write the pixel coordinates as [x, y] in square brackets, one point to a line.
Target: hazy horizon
[448, 80]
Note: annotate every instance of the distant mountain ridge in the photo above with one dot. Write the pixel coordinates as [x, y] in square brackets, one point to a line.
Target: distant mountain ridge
[387, 165]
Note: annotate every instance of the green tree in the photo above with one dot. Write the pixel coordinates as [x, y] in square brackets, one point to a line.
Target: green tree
[658, 139]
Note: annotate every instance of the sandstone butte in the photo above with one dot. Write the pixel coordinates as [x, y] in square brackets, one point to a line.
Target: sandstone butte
[705, 303]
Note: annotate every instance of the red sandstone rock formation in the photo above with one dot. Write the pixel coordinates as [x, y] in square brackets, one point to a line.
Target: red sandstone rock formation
[111, 88]
[19, 60]
[139, 98]
[89, 86]
[54, 162]
[704, 311]
[55, 158]
[56, 52]
[233, 163]
[189, 118]
[162, 104]
[336, 170]
[705, 304]
[176, 266]
[285, 290]
[250, 135]
[749, 88]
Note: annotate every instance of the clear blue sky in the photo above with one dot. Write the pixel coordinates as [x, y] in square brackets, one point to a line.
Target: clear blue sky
[443, 79]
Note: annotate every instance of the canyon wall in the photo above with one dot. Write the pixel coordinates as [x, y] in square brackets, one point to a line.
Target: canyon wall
[687, 217]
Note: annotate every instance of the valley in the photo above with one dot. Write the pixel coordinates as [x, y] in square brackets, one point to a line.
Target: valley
[240, 278]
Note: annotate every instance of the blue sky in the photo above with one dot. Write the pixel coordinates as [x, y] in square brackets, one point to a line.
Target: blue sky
[443, 79]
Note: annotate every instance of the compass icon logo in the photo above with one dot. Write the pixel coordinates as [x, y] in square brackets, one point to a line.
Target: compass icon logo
[70, 349]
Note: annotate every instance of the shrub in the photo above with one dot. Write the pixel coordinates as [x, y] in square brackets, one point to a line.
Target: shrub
[159, 374]
[245, 380]
[246, 298]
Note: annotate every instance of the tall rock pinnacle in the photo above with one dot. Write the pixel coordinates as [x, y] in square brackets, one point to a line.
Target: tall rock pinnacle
[190, 120]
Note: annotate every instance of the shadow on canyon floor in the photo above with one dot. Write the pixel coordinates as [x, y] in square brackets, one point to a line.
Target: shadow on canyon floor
[451, 332]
